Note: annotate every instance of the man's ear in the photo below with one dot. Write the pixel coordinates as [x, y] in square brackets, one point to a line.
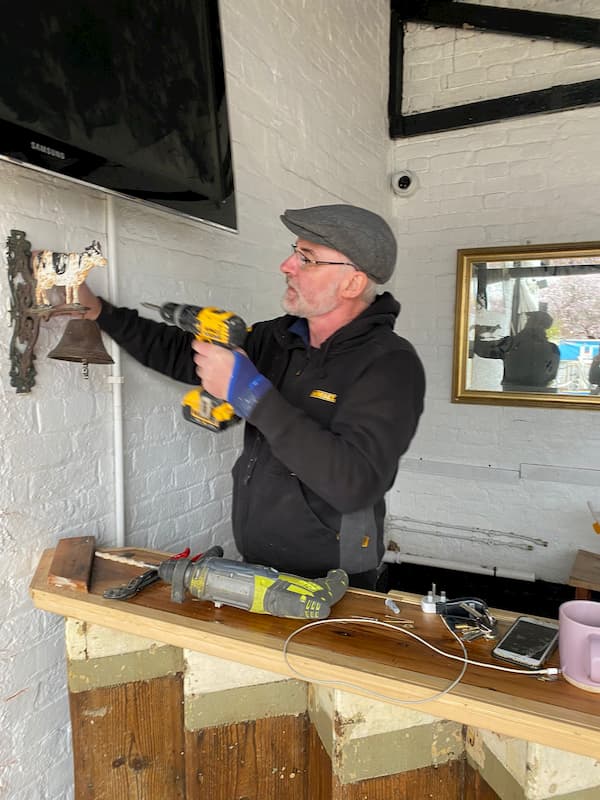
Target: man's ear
[354, 284]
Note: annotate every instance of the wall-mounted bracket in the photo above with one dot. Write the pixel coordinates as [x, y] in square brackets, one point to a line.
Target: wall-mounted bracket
[26, 314]
[24, 320]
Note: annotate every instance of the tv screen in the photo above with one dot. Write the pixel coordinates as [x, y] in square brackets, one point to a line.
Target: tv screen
[121, 94]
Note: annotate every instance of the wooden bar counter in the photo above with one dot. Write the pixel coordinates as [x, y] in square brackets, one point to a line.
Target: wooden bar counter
[374, 665]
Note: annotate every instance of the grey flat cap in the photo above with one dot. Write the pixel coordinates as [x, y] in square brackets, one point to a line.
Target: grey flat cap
[364, 237]
[539, 319]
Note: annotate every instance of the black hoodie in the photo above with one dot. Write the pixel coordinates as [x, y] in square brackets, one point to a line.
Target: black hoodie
[322, 447]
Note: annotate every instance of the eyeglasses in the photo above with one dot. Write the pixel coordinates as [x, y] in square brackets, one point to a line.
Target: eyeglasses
[304, 261]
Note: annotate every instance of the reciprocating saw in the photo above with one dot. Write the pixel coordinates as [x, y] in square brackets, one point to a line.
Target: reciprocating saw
[214, 325]
[252, 587]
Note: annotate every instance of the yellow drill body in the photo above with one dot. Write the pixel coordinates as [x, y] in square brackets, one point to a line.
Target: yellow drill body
[217, 326]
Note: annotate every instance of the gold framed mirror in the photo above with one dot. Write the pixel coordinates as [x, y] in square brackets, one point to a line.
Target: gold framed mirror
[527, 326]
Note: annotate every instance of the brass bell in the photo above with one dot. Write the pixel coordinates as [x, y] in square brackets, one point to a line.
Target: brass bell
[82, 342]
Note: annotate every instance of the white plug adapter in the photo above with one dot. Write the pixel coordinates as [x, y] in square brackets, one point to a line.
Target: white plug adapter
[431, 599]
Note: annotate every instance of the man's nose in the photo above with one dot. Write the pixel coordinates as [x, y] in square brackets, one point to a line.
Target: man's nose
[288, 266]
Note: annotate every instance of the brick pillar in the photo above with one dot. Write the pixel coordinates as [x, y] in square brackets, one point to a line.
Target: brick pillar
[126, 701]
[246, 732]
[377, 748]
[520, 770]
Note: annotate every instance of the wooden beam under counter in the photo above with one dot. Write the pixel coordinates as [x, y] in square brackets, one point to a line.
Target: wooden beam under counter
[370, 658]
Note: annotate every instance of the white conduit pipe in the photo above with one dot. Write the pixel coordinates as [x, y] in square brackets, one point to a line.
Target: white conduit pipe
[116, 380]
[394, 557]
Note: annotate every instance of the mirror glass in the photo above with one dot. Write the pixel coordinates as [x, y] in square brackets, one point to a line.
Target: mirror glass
[527, 328]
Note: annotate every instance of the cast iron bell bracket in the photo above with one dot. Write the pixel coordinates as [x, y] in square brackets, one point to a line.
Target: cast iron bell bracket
[25, 316]
[25, 323]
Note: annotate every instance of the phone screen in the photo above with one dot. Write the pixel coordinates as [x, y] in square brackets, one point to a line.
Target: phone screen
[528, 639]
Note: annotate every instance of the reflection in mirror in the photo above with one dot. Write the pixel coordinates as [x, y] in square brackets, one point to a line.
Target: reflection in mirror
[527, 328]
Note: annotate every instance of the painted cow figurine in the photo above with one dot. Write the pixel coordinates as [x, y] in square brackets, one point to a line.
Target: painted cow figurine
[51, 268]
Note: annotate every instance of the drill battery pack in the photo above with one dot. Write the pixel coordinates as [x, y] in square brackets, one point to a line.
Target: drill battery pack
[203, 409]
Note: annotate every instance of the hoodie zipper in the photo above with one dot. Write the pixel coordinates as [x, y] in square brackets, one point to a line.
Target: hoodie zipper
[251, 463]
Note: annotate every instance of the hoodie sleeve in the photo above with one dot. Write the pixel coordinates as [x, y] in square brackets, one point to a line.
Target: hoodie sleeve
[352, 464]
[492, 348]
[164, 348]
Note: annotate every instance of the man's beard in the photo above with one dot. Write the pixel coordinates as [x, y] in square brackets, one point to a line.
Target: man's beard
[299, 306]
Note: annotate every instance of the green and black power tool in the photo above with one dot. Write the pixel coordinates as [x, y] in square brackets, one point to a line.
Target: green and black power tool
[251, 587]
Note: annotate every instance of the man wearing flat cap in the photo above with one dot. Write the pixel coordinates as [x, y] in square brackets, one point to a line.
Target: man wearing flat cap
[330, 394]
[530, 359]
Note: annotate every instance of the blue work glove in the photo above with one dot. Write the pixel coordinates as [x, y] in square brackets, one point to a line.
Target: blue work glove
[246, 385]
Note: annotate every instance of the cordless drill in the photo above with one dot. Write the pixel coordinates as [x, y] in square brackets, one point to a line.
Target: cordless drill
[214, 325]
[252, 587]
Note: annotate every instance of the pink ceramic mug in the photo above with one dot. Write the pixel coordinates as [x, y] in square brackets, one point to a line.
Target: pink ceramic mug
[579, 643]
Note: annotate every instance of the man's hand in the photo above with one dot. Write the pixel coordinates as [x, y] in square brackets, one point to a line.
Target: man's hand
[481, 329]
[230, 375]
[89, 299]
[214, 365]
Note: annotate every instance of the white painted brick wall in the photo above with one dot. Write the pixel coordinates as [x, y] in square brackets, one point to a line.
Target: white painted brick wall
[307, 85]
[307, 82]
[530, 179]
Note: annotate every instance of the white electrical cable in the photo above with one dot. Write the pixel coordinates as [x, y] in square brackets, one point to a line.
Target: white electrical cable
[551, 671]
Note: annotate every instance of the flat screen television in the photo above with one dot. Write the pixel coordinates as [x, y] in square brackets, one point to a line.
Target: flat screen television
[126, 95]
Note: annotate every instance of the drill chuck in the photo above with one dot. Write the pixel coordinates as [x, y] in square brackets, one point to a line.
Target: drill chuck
[167, 311]
[181, 315]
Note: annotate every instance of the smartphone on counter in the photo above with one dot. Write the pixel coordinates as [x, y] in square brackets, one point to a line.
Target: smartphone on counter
[528, 642]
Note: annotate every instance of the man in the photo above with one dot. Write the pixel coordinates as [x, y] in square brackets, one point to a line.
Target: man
[330, 394]
[530, 360]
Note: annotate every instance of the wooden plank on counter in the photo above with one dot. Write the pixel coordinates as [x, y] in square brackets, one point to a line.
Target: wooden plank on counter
[370, 658]
[71, 565]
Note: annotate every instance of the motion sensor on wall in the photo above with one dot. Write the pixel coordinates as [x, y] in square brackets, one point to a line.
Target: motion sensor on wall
[404, 183]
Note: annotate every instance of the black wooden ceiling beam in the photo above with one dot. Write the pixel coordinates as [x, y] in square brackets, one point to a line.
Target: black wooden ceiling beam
[556, 98]
[533, 24]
